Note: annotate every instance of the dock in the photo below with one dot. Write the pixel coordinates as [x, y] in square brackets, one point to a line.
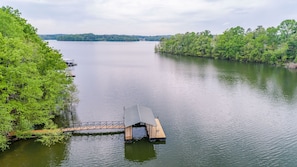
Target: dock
[155, 133]
[135, 116]
[142, 116]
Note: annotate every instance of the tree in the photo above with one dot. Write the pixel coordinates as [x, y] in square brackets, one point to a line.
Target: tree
[286, 29]
[292, 48]
[203, 44]
[33, 79]
[229, 45]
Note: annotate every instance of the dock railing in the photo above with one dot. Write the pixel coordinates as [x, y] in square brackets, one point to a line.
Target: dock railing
[94, 125]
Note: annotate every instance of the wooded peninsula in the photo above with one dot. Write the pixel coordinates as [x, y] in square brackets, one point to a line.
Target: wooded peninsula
[274, 45]
[34, 87]
[93, 37]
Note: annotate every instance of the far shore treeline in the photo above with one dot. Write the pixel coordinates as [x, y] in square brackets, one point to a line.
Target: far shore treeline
[93, 37]
[34, 87]
[273, 45]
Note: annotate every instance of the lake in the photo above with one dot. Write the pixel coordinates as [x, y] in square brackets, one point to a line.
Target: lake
[214, 113]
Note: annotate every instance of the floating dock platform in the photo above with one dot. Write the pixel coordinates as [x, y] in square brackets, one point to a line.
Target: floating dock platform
[156, 133]
[143, 116]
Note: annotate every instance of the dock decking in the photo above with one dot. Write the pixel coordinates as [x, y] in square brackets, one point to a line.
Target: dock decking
[156, 132]
[95, 126]
[92, 128]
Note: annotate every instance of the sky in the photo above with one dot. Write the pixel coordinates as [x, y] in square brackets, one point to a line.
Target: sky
[151, 17]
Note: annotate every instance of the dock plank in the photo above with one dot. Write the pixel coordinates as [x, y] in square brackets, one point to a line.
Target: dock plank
[156, 132]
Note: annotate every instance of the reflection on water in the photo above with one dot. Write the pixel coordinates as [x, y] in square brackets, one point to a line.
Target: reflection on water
[273, 81]
[30, 154]
[140, 151]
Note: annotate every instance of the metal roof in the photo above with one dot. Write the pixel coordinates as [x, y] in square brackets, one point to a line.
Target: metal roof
[138, 114]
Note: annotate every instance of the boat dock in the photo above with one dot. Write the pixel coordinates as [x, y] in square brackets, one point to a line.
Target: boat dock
[135, 116]
[155, 133]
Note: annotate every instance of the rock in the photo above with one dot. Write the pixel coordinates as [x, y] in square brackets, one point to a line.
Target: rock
[292, 65]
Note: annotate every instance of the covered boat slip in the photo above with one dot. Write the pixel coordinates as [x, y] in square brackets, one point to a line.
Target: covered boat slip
[141, 115]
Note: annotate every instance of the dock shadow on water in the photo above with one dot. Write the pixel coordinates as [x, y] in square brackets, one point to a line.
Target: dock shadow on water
[140, 151]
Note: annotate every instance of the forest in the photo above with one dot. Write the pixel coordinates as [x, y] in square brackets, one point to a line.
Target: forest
[93, 37]
[34, 87]
[273, 45]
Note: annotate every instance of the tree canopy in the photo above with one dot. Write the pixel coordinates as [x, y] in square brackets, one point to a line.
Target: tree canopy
[33, 81]
[274, 45]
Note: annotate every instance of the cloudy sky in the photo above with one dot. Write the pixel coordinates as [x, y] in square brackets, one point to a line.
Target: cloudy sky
[151, 17]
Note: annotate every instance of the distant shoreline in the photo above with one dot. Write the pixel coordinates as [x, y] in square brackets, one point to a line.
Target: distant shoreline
[94, 38]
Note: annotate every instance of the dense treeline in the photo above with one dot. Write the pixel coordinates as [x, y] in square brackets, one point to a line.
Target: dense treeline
[34, 86]
[93, 37]
[274, 45]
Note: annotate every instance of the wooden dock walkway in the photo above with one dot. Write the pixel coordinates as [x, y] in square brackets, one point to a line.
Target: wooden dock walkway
[117, 125]
[94, 126]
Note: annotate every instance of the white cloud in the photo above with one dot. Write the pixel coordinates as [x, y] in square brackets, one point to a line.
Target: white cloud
[150, 16]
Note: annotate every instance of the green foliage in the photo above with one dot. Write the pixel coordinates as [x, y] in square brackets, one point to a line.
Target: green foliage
[272, 45]
[51, 138]
[291, 52]
[191, 44]
[286, 29]
[33, 82]
[3, 143]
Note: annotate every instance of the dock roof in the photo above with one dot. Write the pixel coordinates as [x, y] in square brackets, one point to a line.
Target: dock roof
[138, 114]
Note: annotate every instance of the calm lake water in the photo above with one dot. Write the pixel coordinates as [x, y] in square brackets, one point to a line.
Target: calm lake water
[214, 113]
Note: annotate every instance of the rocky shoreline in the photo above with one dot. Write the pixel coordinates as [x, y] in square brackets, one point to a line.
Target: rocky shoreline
[291, 65]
